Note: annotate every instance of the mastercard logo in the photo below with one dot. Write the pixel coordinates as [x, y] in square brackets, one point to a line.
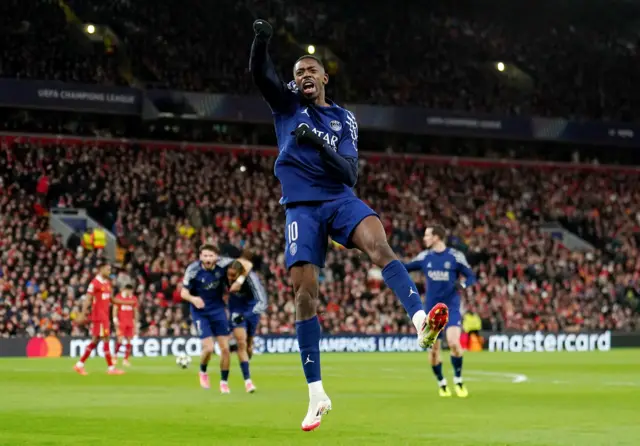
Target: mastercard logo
[49, 347]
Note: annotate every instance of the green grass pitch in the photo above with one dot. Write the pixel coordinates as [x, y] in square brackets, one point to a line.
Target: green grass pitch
[378, 399]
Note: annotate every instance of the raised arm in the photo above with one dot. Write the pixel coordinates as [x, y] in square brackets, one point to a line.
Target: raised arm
[278, 95]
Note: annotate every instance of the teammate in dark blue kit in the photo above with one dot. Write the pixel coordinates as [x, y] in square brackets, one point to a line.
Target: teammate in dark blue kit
[317, 167]
[442, 268]
[245, 308]
[204, 284]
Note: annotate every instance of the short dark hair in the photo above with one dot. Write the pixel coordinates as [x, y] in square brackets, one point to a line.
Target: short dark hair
[439, 231]
[237, 267]
[102, 263]
[247, 254]
[128, 286]
[209, 247]
[309, 56]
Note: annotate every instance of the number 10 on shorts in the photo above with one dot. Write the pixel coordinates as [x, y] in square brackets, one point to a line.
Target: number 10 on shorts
[292, 231]
[292, 235]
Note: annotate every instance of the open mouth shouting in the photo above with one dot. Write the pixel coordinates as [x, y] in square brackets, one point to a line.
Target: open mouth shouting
[308, 87]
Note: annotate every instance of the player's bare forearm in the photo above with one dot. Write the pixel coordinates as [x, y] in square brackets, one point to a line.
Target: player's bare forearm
[246, 264]
[85, 304]
[118, 301]
[186, 295]
[136, 321]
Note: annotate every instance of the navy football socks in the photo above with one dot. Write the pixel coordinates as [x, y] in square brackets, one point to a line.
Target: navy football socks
[308, 333]
[224, 375]
[397, 278]
[456, 362]
[437, 370]
[245, 370]
[203, 368]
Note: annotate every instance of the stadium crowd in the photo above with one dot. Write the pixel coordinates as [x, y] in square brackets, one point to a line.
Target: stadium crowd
[444, 57]
[38, 44]
[161, 208]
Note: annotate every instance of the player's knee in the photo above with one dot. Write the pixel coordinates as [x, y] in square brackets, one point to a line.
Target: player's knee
[306, 301]
[242, 346]
[434, 355]
[207, 348]
[380, 252]
[225, 351]
[453, 340]
[455, 347]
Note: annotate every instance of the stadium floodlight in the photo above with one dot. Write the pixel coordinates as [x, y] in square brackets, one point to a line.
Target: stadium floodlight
[90, 29]
[500, 66]
[311, 49]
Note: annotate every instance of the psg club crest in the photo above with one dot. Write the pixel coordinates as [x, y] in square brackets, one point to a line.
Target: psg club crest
[336, 126]
[293, 248]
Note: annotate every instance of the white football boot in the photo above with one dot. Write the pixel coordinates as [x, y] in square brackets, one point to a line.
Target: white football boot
[319, 405]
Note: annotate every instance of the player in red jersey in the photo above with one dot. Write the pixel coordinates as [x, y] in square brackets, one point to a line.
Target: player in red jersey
[125, 319]
[99, 296]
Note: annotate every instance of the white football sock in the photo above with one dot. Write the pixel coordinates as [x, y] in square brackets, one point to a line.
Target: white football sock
[418, 319]
[315, 388]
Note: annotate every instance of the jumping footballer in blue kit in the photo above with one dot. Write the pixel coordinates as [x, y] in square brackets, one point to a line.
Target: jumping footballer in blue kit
[245, 307]
[442, 267]
[317, 167]
[204, 284]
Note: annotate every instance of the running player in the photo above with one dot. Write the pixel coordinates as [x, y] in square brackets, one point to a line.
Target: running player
[442, 268]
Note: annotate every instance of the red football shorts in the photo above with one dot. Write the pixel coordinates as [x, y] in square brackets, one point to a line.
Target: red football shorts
[126, 331]
[100, 328]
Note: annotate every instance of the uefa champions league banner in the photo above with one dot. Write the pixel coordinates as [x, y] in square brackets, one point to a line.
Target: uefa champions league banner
[153, 347]
[153, 103]
[54, 95]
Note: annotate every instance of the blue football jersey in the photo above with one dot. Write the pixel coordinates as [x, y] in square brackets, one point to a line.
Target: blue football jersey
[208, 284]
[303, 175]
[300, 170]
[252, 297]
[442, 270]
